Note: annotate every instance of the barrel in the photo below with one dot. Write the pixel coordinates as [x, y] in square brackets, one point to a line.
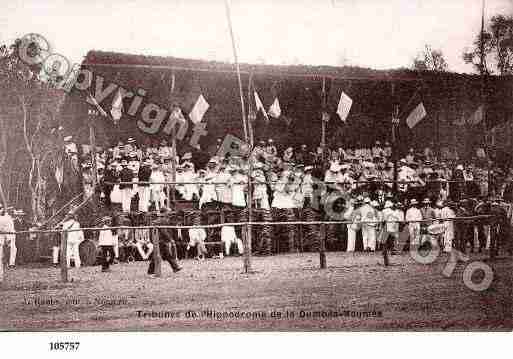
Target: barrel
[88, 252]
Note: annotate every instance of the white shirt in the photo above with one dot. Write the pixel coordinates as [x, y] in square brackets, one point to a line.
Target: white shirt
[413, 214]
[106, 238]
[228, 234]
[224, 193]
[392, 218]
[197, 235]
[368, 214]
[238, 183]
[6, 225]
[75, 236]
[208, 193]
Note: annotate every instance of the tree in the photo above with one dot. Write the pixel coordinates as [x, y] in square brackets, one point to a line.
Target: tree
[430, 60]
[497, 41]
[28, 110]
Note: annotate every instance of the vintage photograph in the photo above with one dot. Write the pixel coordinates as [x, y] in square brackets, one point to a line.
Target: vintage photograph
[245, 165]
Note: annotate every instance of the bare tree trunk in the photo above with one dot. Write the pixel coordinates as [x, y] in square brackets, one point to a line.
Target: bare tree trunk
[3, 158]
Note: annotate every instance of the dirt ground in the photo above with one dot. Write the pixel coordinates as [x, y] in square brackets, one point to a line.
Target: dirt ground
[286, 292]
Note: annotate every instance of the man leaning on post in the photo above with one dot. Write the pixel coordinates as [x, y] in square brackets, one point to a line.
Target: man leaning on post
[167, 244]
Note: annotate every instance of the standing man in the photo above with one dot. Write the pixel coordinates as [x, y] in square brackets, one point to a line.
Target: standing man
[6, 225]
[369, 223]
[352, 214]
[106, 241]
[10, 238]
[392, 218]
[224, 192]
[413, 215]
[126, 175]
[144, 188]
[167, 246]
[20, 225]
[74, 238]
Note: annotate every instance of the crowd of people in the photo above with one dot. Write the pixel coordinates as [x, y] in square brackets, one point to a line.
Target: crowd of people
[354, 185]
[290, 182]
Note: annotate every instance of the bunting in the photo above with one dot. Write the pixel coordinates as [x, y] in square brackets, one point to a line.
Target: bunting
[344, 106]
[199, 109]
[275, 110]
[416, 115]
[117, 107]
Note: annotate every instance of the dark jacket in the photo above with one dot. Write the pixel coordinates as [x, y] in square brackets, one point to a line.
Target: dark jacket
[144, 175]
[166, 235]
[110, 176]
[126, 175]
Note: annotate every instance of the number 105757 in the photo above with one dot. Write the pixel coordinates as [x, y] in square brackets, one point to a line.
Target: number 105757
[64, 346]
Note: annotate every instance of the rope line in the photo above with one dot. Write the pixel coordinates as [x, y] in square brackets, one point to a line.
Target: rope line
[251, 223]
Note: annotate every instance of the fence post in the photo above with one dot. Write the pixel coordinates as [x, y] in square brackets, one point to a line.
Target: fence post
[1, 263]
[300, 232]
[64, 262]
[156, 254]
[322, 246]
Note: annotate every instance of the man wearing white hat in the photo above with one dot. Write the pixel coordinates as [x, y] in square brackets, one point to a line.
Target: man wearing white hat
[448, 213]
[74, 238]
[414, 216]
[224, 192]
[260, 188]
[157, 187]
[392, 218]
[238, 183]
[208, 190]
[369, 224]
[191, 190]
[353, 215]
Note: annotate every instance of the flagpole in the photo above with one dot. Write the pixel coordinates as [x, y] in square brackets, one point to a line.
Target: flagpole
[483, 97]
[323, 122]
[243, 109]
[247, 237]
[395, 123]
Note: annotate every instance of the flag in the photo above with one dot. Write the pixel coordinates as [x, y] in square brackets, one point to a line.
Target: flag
[93, 102]
[477, 116]
[198, 110]
[233, 146]
[344, 106]
[275, 110]
[416, 115]
[117, 107]
[260, 106]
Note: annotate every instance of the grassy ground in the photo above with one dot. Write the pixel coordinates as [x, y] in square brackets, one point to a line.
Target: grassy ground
[405, 295]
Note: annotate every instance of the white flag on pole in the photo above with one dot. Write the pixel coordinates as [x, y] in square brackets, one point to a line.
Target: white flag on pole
[117, 107]
[198, 111]
[260, 106]
[344, 106]
[275, 110]
[416, 115]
